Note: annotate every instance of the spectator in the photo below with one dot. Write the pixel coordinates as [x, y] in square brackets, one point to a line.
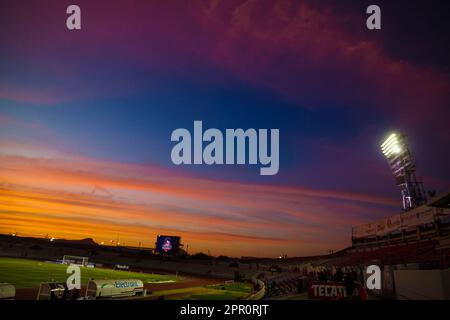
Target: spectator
[322, 276]
[338, 275]
[359, 276]
[349, 285]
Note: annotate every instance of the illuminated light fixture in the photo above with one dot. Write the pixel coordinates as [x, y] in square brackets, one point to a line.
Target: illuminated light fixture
[392, 146]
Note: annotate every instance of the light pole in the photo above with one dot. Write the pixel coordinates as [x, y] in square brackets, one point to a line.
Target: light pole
[397, 152]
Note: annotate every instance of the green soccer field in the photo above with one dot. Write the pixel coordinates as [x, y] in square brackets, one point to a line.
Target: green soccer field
[24, 273]
[226, 291]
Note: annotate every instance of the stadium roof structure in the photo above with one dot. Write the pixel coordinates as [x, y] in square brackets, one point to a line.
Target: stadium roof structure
[441, 201]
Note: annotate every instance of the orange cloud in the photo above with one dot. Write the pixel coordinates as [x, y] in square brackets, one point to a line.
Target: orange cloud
[68, 196]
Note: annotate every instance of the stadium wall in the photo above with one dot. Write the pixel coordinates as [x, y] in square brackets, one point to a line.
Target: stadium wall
[424, 222]
[422, 284]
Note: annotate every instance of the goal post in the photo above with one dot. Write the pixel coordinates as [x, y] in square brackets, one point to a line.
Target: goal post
[68, 259]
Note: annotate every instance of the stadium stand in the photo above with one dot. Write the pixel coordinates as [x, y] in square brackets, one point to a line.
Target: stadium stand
[428, 254]
[283, 284]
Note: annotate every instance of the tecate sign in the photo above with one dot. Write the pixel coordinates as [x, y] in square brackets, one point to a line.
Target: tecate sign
[335, 290]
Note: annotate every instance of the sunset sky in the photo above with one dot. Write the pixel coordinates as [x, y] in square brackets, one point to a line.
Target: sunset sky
[86, 118]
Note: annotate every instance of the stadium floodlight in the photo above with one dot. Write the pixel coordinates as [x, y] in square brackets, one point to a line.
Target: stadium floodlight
[396, 149]
[392, 146]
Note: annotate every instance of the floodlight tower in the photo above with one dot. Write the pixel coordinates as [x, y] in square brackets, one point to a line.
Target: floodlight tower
[396, 149]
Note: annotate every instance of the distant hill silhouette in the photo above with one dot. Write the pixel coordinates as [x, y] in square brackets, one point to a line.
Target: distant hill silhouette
[86, 241]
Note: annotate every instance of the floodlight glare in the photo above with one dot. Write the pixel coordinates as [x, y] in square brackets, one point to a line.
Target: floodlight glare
[391, 146]
[396, 149]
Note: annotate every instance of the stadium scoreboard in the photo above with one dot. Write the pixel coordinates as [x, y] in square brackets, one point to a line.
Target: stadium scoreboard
[167, 244]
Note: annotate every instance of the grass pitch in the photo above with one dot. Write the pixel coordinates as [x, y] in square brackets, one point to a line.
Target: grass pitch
[24, 273]
[230, 291]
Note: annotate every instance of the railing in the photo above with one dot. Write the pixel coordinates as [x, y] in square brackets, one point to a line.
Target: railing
[259, 284]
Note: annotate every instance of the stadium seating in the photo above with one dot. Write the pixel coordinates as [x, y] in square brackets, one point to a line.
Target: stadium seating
[282, 284]
[427, 254]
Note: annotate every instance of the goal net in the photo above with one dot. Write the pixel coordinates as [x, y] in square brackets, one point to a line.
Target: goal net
[82, 261]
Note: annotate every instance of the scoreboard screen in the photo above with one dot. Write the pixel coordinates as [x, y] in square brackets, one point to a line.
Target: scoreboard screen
[167, 244]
